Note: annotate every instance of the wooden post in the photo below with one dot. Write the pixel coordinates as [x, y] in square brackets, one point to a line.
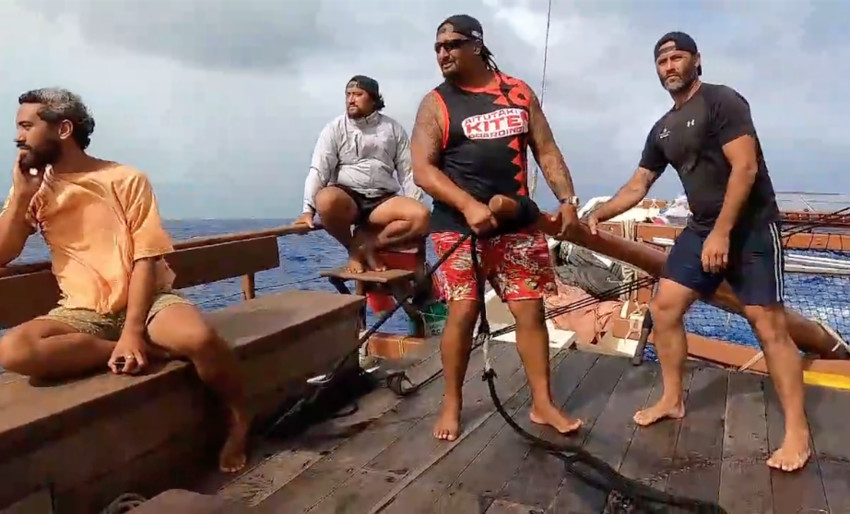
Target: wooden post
[248, 290]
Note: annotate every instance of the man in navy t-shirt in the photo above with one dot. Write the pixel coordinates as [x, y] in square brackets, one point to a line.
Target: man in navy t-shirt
[709, 138]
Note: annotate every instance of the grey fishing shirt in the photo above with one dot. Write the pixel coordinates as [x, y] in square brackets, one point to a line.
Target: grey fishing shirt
[362, 154]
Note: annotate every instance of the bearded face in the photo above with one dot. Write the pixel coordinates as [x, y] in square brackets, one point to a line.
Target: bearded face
[676, 69]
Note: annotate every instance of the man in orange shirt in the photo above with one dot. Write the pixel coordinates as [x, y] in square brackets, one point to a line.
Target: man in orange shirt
[101, 223]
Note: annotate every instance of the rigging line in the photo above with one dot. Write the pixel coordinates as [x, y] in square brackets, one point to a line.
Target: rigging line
[533, 185]
[608, 294]
[823, 222]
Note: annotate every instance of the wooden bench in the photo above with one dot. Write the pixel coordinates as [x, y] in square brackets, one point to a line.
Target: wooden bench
[88, 441]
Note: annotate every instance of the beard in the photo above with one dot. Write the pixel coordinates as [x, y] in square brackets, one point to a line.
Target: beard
[354, 112]
[39, 157]
[681, 82]
[450, 74]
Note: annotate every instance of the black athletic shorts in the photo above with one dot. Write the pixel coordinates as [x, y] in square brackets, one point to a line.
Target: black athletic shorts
[365, 204]
[755, 269]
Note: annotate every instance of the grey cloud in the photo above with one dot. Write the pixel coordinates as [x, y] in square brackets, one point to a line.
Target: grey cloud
[221, 102]
[217, 34]
[261, 35]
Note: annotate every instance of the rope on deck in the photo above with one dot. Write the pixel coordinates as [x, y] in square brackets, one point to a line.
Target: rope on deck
[622, 493]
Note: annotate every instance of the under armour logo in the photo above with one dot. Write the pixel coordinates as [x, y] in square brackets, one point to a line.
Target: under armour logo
[690, 123]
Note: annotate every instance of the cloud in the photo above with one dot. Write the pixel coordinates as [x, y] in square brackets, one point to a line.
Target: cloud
[221, 101]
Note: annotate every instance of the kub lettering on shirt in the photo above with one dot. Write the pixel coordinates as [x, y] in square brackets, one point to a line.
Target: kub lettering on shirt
[496, 124]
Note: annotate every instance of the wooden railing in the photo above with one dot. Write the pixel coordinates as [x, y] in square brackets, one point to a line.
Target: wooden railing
[195, 261]
[194, 242]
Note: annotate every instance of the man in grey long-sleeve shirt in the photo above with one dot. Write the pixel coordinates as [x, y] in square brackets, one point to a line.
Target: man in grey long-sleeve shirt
[351, 179]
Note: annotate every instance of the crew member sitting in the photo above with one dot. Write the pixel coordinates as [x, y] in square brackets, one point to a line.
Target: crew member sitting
[351, 180]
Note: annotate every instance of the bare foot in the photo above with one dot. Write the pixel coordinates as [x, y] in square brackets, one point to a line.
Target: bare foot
[793, 454]
[447, 427]
[662, 409]
[552, 416]
[233, 456]
[356, 263]
[372, 259]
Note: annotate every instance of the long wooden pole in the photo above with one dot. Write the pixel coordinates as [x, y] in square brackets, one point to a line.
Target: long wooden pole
[807, 334]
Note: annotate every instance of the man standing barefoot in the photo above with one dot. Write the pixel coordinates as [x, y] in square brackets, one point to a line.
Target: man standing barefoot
[709, 137]
[469, 143]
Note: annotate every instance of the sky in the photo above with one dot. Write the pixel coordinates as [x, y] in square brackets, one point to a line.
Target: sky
[220, 101]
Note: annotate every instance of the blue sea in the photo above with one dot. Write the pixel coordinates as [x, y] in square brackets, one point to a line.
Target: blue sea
[302, 257]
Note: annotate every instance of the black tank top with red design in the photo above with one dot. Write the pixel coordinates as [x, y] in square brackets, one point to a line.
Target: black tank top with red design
[484, 144]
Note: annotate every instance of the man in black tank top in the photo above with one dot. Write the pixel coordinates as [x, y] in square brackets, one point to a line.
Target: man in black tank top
[468, 144]
[709, 138]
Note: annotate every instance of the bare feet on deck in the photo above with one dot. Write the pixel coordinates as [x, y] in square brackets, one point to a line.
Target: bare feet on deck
[552, 416]
[662, 409]
[233, 456]
[447, 427]
[793, 454]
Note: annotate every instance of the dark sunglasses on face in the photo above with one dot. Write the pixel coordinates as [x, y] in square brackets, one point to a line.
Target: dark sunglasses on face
[451, 44]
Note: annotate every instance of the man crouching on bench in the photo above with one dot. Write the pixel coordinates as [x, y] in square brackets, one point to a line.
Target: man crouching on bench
[351, 180]
[101, 223]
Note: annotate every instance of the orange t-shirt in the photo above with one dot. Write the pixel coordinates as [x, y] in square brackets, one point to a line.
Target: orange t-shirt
[96, 225]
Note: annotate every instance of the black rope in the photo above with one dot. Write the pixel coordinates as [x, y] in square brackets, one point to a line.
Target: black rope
[609, 480]
[288, 413]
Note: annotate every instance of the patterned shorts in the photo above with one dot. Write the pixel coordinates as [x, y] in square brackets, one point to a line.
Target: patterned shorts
[109, 326]
[518, 266]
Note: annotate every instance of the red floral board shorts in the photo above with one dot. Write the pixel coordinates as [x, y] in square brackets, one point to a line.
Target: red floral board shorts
[518, 266]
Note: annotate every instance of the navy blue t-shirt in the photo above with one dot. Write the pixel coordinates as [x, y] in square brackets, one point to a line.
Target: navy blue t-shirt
[691, 139]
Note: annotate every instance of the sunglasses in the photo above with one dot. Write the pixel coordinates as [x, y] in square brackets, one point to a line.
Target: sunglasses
[451, 44]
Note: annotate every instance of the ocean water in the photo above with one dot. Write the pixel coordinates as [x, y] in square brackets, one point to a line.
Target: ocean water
[302, 257]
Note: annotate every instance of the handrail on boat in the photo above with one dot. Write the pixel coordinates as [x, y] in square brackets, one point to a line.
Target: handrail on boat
[194, 242]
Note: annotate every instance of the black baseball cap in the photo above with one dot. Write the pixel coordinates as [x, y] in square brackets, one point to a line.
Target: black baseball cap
[466, 25]
[681, 41]
[367, 84]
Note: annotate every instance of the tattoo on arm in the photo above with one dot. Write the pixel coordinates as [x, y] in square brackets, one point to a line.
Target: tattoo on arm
[426, 144]
[546, 152]
[427, 136]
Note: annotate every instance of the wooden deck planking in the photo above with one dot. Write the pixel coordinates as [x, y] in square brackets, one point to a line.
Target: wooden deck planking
[716, 452]
[827, 410]
[798, 492]
[609, 439]
[413, 455]
[698, 454]
[536, 481]
[328, 479]
[498, 461]
[427, 494]
[417, 446]
[744, 478]
[649, 457]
